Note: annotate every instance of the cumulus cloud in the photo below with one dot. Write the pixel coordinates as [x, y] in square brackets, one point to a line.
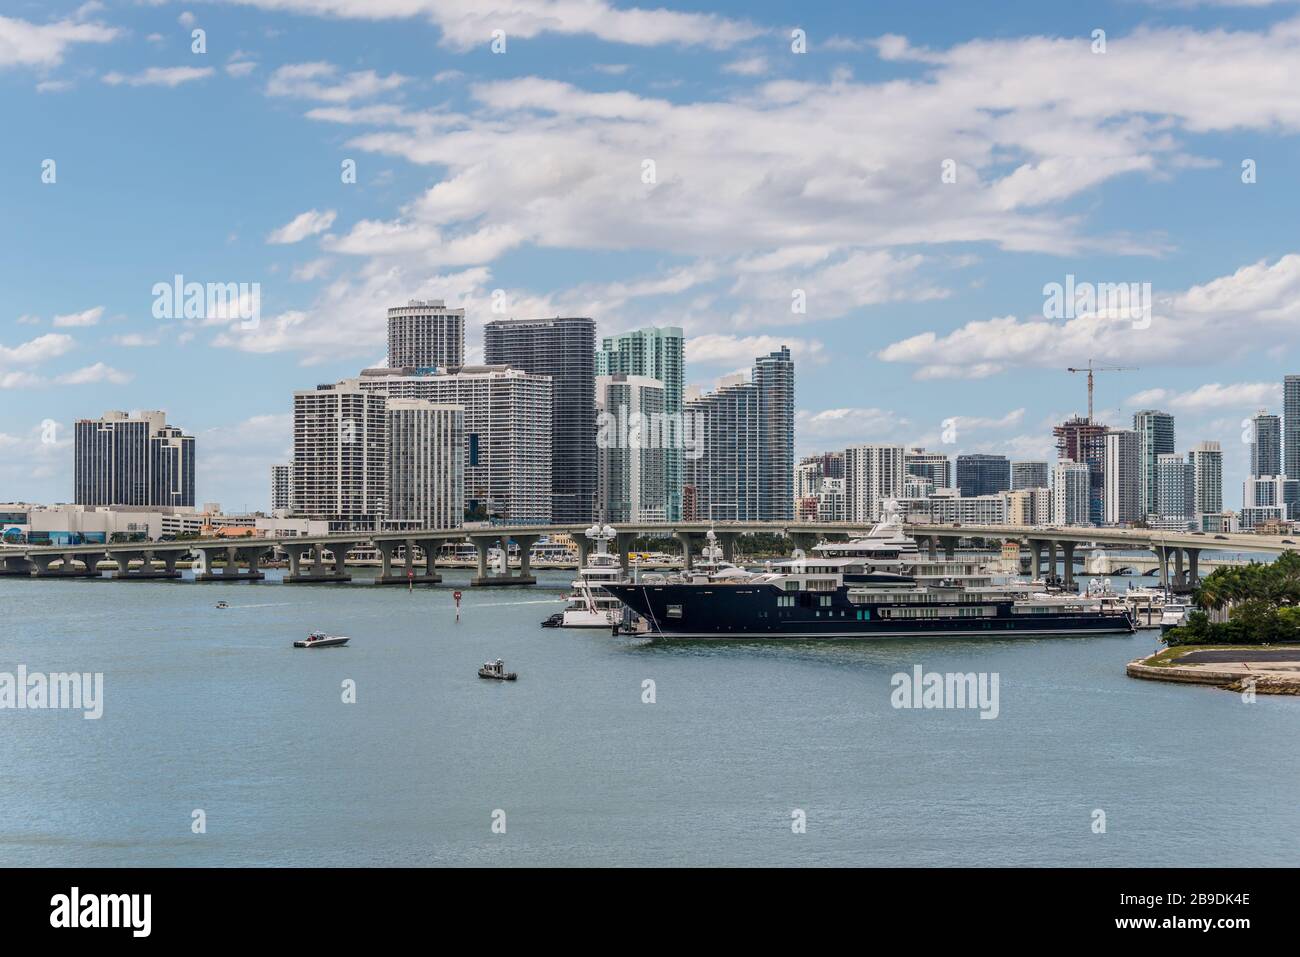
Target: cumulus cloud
[87, 317]
[469, 23]
[321, 81]
[310, 223]
[168, 76]
[44, 45]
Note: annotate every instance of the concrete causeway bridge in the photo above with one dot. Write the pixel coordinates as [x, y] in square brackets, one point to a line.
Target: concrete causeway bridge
[1177, 554]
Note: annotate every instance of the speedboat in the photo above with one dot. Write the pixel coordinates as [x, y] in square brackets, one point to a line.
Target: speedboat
[1174, 616]
[496, 669]
[318, 639]
[223, 604]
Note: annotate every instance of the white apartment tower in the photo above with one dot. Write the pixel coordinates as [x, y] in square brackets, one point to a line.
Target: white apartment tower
[426, 464]
[873, 474]
[340, 455]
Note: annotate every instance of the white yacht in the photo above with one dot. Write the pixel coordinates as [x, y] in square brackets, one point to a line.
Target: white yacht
[318, 639]
[590, 606]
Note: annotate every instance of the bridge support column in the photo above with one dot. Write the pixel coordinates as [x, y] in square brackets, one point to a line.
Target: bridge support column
[1162, 557]
[622, 545]
[335, 572]
[1067, 549]
[232, 556]
[146, 571]
[688, 547]
[1193, 567]
[16, 565]
[803, 541]
[485, 577]
[1035, 558]
[1051, 561]
[1180, 576]
[584, 549]
[67, 565]
[949, 547]
[728, 541]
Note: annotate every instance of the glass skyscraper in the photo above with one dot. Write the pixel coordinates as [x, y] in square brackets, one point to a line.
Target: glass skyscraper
[655, 353]
[1266, 449]
[983, 474]
[1156, 438]
[1291, 413]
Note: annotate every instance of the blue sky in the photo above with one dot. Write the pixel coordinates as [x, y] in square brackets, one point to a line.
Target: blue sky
[773, 171]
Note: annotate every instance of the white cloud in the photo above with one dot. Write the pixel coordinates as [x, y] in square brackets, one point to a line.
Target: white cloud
[170, 76]
[469, 23]
[1211, 397]
[747, 66]
[44, 45]
[1228, 316]
[87, 317]
[135, 340]
[38, 350]
[715, 349]
[93, 375]
[310, 223]
[321, 81]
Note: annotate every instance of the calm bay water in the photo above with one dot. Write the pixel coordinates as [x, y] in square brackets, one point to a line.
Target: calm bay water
[213, 709]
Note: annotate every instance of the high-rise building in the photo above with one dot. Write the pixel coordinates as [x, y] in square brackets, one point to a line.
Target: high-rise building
[1071, 484]
[632, 448]
[508, 453]
[340, 456]
[1029, 506]
[565, 350]
[873, 474]
[979, 474]
[1207, 478]
[1272, 491]
[1030, 475]
[1123, 476]
[1082, 441]
[722, 483]
[426, 464]
[281, 488]
[1266, 448]
[657, 353]
[425, 334]
[819, 488]
[1156, 432]
[934, 466]
[1291, 412]
[121, 459]
[1175, 489]
[773, 379]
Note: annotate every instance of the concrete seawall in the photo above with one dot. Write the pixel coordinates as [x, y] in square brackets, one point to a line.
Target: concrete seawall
[1234, 677]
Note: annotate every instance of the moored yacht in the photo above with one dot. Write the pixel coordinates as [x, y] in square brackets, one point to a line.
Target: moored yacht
[590, 605]
[878, 586]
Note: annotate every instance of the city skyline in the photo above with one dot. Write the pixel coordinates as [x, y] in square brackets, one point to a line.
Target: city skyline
[921, 308]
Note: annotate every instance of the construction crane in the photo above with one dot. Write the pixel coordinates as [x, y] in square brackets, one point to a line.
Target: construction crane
[1090, 369]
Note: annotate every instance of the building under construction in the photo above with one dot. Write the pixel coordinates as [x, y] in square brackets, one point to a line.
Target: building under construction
[1082, 440]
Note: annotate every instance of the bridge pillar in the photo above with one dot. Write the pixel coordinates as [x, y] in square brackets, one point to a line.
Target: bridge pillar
[584, 549]
[67, 565]
[482, 543]
[146, 571]
[1162, 556]
[232, 555]
[949, 547]
[1193, 567]
[294, 552]
[1180, 576]
[526, 543]
[1051, 560]
[688, 542]
[1035, 557]
[622, 545]
[804, 541]
[16, 565]
[1067, 549]
[334, 573]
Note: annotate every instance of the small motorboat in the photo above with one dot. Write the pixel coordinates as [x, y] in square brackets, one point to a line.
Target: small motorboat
[1174, 616]
[223, 604]
[555, 621]
[318, 639]
[496, 669]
